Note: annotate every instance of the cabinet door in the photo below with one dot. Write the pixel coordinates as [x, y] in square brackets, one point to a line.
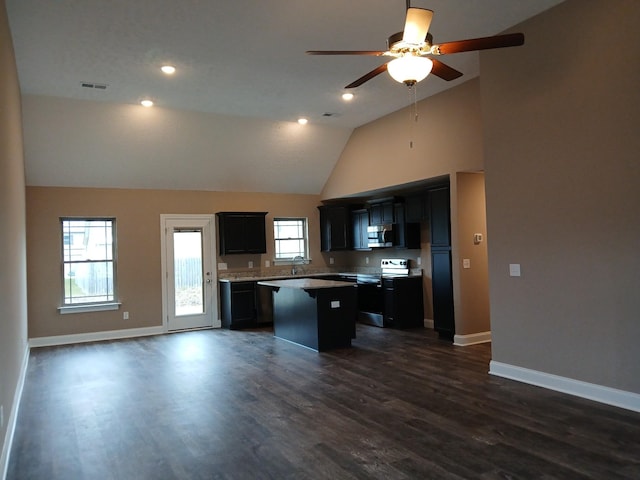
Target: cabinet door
[255, 234]
[406, 234]
[442, 286]
[232, 234]
[335, 228]
[390, 304]
[381, 213]
[360, 222]
[237, 304]
[440, 217]
[243, 304]
[416, 207]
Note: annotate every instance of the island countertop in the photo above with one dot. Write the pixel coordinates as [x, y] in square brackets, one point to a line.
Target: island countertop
[306, 283]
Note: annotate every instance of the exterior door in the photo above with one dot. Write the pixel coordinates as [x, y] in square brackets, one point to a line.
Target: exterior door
[189, 280]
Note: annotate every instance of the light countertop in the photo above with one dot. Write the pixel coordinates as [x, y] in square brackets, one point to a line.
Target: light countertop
[282, 277]
[306, 283]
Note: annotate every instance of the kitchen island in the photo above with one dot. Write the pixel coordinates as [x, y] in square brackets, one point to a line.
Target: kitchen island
[316, 313]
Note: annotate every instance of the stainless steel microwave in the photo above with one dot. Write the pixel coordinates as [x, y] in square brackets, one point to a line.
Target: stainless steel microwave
[380, 236]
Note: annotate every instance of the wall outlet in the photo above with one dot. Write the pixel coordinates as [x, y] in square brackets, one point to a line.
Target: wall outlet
[125, 315]
[366, 260]
[250, 264]
[419, 259]
[331, 260]
[267, 263]
[222, 266]
[466, 263]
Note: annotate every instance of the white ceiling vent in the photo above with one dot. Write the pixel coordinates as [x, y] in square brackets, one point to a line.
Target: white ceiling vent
[97, 86]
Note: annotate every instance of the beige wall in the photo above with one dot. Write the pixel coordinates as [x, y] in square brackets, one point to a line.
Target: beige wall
[446, 139]
[13, 282]
[472, 309]
[563, 199]
[137, 214]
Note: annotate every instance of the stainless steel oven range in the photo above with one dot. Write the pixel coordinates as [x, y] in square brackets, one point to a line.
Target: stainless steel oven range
[381, 299]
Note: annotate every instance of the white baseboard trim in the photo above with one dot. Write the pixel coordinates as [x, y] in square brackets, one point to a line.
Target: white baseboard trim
[472, 339]
[13, 417]
[95, 336]
[428, 323]
[590, 391]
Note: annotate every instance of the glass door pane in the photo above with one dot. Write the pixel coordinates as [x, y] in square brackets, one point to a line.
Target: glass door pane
[187, 258]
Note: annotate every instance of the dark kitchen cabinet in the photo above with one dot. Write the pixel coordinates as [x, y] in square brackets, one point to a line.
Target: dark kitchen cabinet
[442, 285]
[381, 213]
[416, 207]
[238, 304]
[406, 234]
[440, 216]
[335, 228]
[441, 268]
[403, 304]
[360, 222]
[242, 232]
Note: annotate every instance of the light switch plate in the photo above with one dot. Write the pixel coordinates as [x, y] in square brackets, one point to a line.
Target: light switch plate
[335, 303]
[514, 269]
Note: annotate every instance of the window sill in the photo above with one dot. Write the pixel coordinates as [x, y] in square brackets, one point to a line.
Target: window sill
[95, 307]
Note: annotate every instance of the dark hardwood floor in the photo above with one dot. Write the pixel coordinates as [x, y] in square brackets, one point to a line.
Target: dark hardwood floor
[221, 404]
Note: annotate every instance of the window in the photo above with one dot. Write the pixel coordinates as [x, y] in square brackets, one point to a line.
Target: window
[290, 236]
[88, 264]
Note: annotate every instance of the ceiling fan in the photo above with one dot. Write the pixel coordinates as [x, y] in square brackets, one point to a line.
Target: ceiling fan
[412, 51]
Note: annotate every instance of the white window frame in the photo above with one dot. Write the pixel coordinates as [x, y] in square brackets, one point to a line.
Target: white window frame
[289, 260]
[89, 306]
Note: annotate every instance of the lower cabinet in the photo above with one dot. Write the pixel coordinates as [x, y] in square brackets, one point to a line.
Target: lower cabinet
[442, 283]
[238, 304]
[403, 304]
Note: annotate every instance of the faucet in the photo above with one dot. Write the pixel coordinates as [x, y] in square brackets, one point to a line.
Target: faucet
[294, 270]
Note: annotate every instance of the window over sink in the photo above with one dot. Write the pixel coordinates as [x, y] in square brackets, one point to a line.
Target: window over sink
[291, 240]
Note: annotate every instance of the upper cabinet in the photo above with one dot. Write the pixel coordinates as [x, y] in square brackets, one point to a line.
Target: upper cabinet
[405, 234]
[440, 217]
[416, 206]
[360, 222]
[242, 232]
[335, 228]
[381, 212]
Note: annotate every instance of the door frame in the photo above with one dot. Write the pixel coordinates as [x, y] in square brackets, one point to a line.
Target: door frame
[164, 219]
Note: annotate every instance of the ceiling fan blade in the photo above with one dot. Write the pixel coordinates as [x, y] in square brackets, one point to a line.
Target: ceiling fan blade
[416, 26]
[368, 76]
[485, 43]
[376, 53]
[444, 71]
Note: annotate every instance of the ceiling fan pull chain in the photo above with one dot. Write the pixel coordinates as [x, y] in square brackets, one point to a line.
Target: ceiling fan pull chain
[413, 112]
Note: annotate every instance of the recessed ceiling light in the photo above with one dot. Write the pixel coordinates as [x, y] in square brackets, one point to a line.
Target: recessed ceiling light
[146, 103]
[302, 121]
[347, 96]
[168, 69]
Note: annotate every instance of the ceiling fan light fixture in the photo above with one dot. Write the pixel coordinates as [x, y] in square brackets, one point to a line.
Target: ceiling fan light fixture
[409, 69]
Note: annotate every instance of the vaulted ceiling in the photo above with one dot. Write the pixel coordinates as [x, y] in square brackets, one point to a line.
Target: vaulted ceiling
[239, 63]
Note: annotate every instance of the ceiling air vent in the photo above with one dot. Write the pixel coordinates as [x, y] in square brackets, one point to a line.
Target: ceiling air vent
[97, 86]
[330, 114]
